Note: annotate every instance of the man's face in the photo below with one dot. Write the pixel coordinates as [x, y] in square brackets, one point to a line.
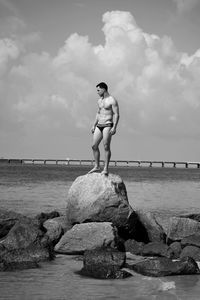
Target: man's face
[100, 91]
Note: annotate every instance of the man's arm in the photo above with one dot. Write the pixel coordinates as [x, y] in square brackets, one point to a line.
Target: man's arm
[96, 121]
[115, 109]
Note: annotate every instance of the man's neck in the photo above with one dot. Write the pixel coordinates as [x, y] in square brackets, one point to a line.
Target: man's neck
[105, 95]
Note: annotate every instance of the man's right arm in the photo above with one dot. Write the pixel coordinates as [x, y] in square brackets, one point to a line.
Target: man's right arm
[96, 121]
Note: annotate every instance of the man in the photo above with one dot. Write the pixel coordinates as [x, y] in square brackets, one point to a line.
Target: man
[104, 127]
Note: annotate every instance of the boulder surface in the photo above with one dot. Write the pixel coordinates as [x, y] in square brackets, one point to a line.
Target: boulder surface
[87, 236]
[98, 198]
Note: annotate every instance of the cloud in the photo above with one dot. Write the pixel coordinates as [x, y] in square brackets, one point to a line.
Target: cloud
[184, 6]
[9, 6]
[157, 87]
[8, 50]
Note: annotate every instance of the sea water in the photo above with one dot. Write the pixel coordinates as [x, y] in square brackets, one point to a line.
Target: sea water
[31, 189]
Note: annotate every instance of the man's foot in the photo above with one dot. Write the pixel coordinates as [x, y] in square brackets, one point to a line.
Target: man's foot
[104, 172]
[94, 170]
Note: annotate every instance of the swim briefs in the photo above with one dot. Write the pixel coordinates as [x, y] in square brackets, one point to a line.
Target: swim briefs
[102, 126]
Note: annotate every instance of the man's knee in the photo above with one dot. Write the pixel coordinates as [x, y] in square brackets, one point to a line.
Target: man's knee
[94, 147]
[106, 146]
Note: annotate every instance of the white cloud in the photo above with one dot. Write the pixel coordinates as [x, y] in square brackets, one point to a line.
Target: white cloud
[8, 50]
[157, 87]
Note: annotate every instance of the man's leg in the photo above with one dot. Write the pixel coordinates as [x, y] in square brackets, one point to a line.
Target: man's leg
[106, 141]
[97, 137]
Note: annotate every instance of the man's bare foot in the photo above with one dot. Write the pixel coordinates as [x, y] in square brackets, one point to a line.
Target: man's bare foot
[95, 169]
[104, 172]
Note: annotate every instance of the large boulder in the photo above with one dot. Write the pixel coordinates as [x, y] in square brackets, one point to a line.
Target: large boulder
[97, 198]
[88, 236]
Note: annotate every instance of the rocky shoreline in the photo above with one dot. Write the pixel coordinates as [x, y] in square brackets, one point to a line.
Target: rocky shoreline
[113, 239]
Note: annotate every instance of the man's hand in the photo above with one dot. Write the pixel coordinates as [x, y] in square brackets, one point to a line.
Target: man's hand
[112, 131]
[93, 129]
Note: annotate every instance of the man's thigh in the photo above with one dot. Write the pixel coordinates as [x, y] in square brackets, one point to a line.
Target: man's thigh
[106, 135]
[97, 136]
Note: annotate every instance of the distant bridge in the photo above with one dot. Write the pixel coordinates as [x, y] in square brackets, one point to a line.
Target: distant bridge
[116, 163]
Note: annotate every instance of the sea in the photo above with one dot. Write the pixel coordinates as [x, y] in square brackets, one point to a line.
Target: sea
[34, 188]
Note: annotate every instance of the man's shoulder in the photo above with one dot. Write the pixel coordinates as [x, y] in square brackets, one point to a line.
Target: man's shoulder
[113, 100]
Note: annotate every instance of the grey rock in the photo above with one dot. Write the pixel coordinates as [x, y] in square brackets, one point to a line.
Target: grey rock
[154, 229]
[24, 245]
[88, 236]
[97, 198]
[104, 264]
[181, 227]
[191, 240]
[176, 249]
[163, 266]
[191, 251]
[157, 249]
[134, 247]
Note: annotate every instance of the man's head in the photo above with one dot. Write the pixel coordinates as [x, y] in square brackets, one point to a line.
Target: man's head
[101, 88]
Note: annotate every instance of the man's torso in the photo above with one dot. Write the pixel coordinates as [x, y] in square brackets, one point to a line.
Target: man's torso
[105, 110]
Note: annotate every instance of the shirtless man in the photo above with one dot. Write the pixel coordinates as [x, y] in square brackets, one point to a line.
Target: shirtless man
[105, 125]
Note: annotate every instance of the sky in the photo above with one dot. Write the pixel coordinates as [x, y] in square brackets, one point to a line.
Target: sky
[53, 53]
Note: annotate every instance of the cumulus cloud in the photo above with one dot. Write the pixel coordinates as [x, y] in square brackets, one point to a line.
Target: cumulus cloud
[157, 87]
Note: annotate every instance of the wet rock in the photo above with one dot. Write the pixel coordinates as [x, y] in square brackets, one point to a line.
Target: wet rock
[154, 230]
[181, 227]
[97, 198]
[134, 247]
[88, 236]
[54, 230]
[104, 264]
[157, 249]
[25, 243]
[191, 251]
[12, 266]
[176, 249]
[163, 266]
[7, 221]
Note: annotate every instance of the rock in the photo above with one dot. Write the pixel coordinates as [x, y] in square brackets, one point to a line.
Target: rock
[42, 217]
[154, 230]
[163, 266]
[191, 251]
[24, 245]
[193, 240]
[54, 230]
[157, 249]
[12, 266]
[88, 236]
[176, 249]
[195, 217]
[104, 264]
[63, 222]
[134, 247]
[7, 221]
[134, 230]
[181, 227]
[97, 198]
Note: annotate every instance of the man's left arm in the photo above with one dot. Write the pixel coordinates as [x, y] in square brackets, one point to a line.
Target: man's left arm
[115, 109]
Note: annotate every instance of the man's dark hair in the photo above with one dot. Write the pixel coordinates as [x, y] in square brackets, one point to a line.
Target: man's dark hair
[102, 85]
